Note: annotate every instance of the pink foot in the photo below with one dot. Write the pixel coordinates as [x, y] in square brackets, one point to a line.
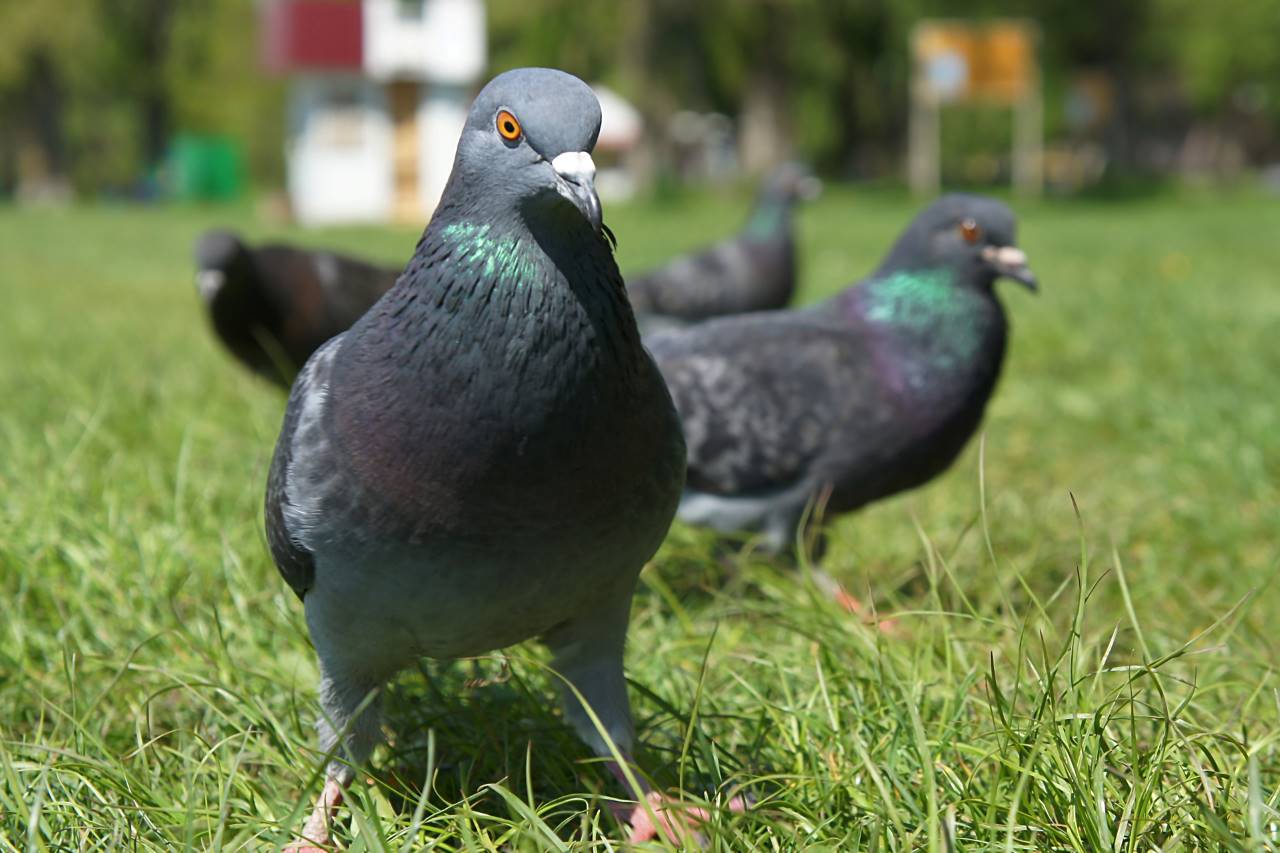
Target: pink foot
[315, 834]
[848, 602]
[660, 817]
[851, 605]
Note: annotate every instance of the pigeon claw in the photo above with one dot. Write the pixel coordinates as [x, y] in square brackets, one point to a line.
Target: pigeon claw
[854, 607]
[315, 834]
[660, 817]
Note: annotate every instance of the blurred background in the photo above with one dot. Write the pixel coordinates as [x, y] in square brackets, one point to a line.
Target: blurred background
[223, 99]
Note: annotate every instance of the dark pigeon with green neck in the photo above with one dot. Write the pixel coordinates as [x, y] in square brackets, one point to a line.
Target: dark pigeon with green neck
[273, 305]
[868, 394]
[753, 271]
[488, 455]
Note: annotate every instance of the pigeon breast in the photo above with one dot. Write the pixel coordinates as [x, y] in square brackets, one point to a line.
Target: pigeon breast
[492, 386]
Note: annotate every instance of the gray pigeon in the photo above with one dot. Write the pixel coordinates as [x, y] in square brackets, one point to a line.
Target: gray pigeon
[273, 306]
[488, 455]
[753, 271]
[870, 393]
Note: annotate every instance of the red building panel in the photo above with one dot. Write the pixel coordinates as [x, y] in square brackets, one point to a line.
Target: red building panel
[312, 35]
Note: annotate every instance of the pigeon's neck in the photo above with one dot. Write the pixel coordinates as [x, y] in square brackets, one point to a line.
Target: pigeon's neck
[505, 258]
[497, 339]
[925, 315]
[771, 215]
[907, 298]
[495, 295]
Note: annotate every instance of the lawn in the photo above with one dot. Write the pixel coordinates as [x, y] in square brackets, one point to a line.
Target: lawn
[1084, 653]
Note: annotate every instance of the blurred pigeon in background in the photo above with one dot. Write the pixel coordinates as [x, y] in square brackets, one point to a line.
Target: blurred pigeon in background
[489, 455]
[865, 395]
[275, 305]
[753, 271]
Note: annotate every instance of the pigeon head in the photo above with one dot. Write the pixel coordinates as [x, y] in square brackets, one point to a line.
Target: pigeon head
[792, 182]
[971, 235]
[527, 146]
[221, 258]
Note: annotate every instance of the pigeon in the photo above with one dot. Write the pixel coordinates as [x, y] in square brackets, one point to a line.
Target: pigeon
[873, 392]
[488, 455]
[275, 305]
[752, 271]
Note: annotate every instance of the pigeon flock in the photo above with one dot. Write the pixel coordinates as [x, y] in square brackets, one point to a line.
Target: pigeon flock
[444, 440]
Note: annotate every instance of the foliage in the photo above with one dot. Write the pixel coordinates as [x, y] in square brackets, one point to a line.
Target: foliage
[134, 71]
[845, 70]
[1053, 681]
[1226, 52]
[130, 73]
[65, 30]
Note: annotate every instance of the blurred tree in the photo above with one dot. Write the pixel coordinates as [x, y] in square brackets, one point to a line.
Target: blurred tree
[1110, 36]
[1226, 52]
[218, 87]
[828, 78]
[38, 45]
[92, 91]
[136, 54]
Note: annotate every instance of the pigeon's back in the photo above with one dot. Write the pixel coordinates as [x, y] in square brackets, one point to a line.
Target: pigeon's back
[755, 270]
[274, 305]
[738, 276]
[317, 294]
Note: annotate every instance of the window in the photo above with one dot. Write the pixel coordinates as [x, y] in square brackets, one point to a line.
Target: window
[409, 10]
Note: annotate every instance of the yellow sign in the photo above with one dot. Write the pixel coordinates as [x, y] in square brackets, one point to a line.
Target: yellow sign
[957, 61]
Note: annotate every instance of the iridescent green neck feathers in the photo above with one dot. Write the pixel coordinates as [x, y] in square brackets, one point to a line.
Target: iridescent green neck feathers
[503, 259]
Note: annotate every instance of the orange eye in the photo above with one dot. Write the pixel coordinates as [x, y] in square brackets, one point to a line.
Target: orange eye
[970, 231]
[508, 126]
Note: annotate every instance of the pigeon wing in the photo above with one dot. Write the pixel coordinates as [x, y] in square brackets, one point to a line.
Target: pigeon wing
[300, 434]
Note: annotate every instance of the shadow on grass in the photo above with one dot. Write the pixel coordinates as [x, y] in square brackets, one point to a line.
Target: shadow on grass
[471, 728]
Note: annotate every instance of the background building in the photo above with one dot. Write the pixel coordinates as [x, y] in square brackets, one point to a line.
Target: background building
[378, 93]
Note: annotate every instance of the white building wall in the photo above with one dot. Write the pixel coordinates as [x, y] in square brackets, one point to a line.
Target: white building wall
[441, 115]
[438, 40]
[339, 152]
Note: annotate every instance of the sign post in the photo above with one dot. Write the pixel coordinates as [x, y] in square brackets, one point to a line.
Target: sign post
[961, 62]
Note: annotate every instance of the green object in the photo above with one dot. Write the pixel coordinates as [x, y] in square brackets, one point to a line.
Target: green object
[206, 168]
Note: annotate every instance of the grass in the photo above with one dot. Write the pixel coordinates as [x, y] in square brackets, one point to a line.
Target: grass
[1085, 653]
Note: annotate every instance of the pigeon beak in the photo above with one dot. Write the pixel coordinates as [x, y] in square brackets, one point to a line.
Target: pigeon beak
[575, 180]
[1010, 261]
[209, 282]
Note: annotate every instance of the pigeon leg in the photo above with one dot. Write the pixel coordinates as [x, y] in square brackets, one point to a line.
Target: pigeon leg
[315, 833]
[805, 522]
[349, 729]
[588, 655]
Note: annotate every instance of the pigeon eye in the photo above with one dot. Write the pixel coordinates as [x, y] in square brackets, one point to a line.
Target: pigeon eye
[970, 231]
[508, 126]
